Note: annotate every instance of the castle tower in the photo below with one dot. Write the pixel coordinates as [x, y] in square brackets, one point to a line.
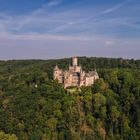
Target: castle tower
[57, 74]
[74, 61]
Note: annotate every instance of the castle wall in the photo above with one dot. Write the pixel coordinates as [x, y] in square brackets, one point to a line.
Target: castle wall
[74, 68]
[71, 80]
[75, 76]
[89, 81]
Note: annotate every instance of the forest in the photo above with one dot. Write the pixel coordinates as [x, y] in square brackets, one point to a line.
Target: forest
[34, 107]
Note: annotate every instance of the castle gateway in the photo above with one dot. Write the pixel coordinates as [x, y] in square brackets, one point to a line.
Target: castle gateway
[74, 76]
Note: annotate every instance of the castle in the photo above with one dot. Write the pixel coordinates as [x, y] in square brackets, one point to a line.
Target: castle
[75, 76]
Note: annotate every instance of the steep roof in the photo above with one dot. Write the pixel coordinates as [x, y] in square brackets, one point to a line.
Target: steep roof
[56, 68]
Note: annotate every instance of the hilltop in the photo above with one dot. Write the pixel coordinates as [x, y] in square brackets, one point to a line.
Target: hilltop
[34, 107]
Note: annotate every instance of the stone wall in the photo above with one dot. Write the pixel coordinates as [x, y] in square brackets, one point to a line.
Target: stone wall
[75, 76]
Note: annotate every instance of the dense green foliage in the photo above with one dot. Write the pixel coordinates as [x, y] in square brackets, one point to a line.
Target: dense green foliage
[34, 107]
[4, 136]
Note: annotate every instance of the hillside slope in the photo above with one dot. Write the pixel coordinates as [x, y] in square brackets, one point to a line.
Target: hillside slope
[34, 107]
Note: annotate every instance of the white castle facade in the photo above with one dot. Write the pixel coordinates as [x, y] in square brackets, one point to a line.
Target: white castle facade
[74, 76]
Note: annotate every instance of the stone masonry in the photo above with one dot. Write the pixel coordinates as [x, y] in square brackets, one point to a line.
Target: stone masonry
[74, 76]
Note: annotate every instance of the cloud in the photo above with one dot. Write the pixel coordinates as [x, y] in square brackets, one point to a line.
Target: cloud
[116, 7]
[43, 37]
[27, 48]
[35, 18]
[109, 43]
[67, 22]
[54, 2]
[93, 18]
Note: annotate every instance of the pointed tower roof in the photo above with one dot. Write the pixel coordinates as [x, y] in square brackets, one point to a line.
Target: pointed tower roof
[56, 68]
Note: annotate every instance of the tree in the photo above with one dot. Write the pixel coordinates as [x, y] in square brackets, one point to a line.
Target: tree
[4, 136]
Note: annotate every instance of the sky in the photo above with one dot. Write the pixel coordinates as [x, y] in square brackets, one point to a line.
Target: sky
[46, 29]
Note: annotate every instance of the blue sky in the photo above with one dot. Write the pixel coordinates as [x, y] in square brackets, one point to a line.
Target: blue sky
[44, 29]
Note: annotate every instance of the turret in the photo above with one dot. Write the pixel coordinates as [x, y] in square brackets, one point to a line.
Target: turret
[56, 72]
[56, 68]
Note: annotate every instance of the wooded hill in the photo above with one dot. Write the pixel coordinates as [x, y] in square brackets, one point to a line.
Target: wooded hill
[34, 107]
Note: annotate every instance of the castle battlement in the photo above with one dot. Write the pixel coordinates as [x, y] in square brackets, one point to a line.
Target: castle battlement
[74, 76]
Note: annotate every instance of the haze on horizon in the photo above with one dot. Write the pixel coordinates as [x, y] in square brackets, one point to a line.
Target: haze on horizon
[45, 29]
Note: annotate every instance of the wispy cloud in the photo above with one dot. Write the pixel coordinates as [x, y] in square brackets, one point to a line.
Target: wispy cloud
[43, 37]
[64, 23]
[93, 18]
[116, 7]
[41, 48]
[100, 30]
[54, 2]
